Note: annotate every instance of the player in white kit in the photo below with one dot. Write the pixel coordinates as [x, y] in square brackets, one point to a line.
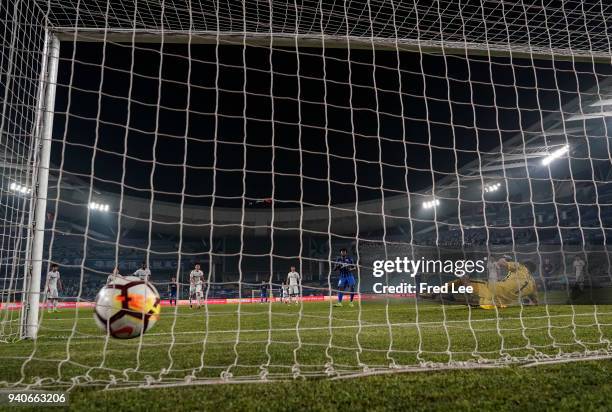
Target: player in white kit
[492, 270]
[143, 273]
[493, 273]
[53, 285]
[113, 276]
[578, 264]
[293, 278]
[284, 292]
[195, 285]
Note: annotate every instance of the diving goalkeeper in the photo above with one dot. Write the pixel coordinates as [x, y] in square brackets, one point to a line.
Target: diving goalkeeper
[517, 288]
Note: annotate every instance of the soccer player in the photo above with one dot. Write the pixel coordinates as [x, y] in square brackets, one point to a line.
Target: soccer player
[284, 292]
[578, 264]
[173, 289]
[53, 284]
[263, 292]
[345, 265]
[143, 273]
[516, 288]
[493, 273]
[113, 276]
[518, 285]
[195, 285]
[294, 280]
[578, 288]
[547, 271]
[492, 270]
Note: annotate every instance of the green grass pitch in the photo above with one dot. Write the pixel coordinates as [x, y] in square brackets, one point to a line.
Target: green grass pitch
[294, 345]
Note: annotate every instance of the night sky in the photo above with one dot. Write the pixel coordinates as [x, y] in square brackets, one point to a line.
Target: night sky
[450, 125]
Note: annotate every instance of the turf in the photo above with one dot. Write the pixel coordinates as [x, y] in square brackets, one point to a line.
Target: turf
[295, 346]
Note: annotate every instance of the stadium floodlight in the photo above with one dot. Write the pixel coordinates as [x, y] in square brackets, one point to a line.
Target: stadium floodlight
[430, 204]
[102, 207]
[555, 154]
[494, 187]
[21, 189]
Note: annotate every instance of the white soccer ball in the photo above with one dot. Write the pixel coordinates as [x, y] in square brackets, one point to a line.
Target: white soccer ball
[127, 307]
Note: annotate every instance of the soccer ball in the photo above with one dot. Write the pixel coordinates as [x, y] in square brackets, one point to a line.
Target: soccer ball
[127, 307]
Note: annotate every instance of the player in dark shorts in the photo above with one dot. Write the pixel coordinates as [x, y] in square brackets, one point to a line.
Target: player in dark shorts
[173, 289]
[345, 265]
[263, 295]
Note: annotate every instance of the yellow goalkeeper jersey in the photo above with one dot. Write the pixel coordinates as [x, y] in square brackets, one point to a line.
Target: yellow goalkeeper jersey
[516, 285]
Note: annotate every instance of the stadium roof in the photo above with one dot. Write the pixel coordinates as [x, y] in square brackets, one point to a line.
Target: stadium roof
[582, 119]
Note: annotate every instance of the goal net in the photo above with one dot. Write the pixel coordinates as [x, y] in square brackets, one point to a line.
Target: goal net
[353, 140]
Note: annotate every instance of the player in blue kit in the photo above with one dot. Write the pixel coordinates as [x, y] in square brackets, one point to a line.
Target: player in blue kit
[173, 289]
[345, 266]
[263, 294]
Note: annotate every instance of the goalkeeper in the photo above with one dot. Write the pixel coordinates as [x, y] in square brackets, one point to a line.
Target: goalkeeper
[516, 288]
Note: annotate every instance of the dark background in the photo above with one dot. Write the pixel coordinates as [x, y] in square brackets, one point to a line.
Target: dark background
[208, 112]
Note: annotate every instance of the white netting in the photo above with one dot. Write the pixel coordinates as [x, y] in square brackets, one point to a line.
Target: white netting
[252, 137]
[20, 67]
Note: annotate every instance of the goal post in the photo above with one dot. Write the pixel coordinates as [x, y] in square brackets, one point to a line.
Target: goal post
[34, 262]
[53, 37]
